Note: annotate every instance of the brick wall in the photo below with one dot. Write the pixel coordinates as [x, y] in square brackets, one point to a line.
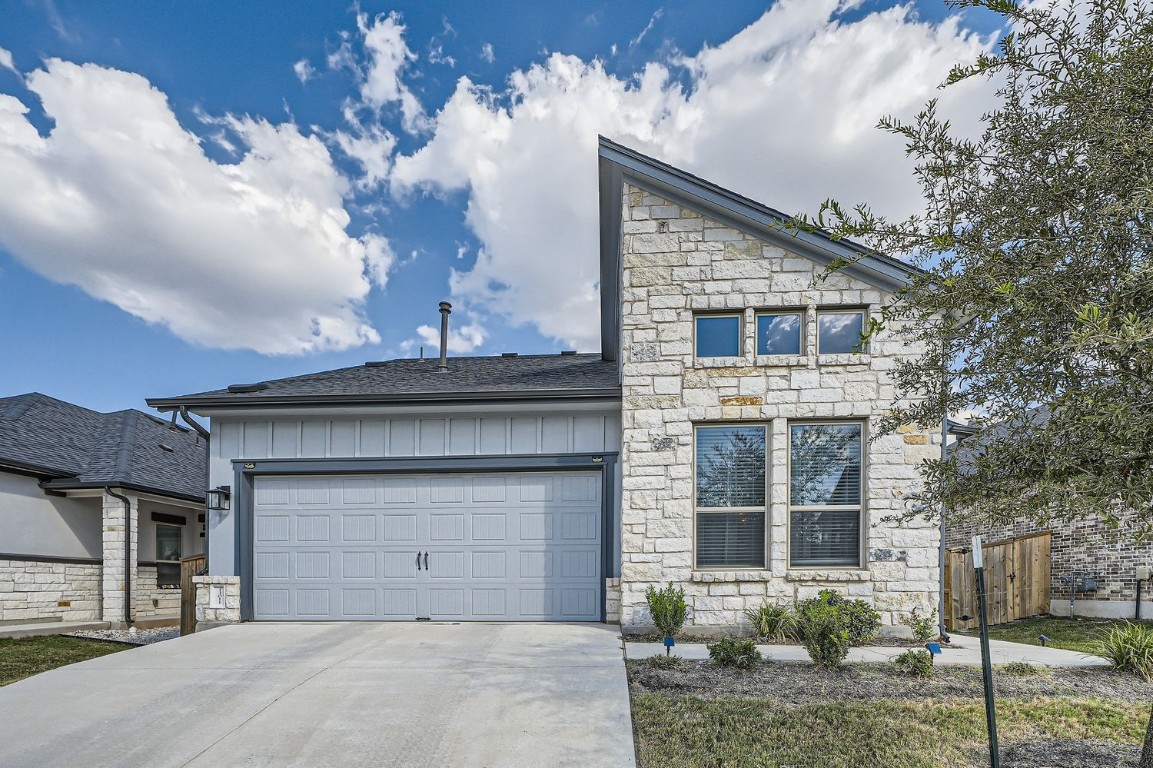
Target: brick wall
[33, 591]
[1090, 547]
[676, 262]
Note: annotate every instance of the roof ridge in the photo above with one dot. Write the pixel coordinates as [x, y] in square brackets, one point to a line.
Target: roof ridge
[127, 446]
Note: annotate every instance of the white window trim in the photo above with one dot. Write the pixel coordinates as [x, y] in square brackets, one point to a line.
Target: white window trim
[862, 528]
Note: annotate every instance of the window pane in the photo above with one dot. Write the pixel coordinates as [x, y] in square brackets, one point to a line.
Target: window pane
[825, 538]
[167, 542]
[839, 332]
[167, 575]
[719, 336]
[731, 540]
[730, 466]
[778, 334]
[824, 464]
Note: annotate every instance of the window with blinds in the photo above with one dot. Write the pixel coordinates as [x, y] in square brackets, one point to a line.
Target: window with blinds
[825, 491]
[729, 495]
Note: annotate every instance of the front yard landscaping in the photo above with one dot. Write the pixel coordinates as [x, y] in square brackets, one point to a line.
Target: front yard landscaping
[793, 715]
[1070, 634]
[26, 656]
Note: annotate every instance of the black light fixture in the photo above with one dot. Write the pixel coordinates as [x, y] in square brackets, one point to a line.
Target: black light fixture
[219, 499]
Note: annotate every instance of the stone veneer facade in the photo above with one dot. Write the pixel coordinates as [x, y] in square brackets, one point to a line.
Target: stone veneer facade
[675, 263]
[208, 616]
[32, 591]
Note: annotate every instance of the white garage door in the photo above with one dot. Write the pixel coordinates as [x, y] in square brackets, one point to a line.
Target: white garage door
[485, 547]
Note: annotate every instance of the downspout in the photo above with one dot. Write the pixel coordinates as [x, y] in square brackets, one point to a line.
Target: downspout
[204, 433]
[127, 552]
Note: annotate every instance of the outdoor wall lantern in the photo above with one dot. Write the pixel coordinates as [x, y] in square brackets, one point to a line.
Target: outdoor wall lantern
[219, 499]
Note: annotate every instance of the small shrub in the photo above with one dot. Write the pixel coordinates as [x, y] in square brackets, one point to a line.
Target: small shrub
[775, 623]
[1130, 647]
[924, 627]
[821, 629]
[668, 609]
[730, 652]
[1022, 669]
[665, 662]
[858, 617]
[918, 663]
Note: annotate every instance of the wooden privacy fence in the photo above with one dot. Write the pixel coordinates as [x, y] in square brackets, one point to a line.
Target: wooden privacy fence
[189, 567]
[1016, 582]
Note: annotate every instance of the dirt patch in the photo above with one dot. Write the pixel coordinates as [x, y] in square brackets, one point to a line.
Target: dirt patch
[1070, 753]
[799, 683]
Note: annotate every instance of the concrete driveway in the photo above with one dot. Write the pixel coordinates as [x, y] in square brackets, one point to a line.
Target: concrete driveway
[328, 695]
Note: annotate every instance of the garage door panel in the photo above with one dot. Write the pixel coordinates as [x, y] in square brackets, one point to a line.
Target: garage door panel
[358, 565]
[489, 565]
[312, 528]
[313, 565]
[501, 546]
[446, 527]
[358, 603]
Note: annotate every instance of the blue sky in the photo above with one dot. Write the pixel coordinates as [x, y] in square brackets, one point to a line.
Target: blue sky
[198, 194]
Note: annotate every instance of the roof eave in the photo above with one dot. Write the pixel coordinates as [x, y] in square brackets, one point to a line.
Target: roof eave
[414, 398]
[69, 484]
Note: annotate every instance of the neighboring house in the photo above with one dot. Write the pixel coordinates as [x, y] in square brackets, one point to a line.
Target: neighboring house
[67, 475]
[719, 440]
[1103, 562]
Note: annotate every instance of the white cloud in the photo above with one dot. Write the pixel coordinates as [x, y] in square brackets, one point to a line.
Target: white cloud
[304, 70]
[487, 53]
[461, 341]
[652, 22]
[783, 112]
[121, 201]
[6, 61]
[372, 148]
[388, 57]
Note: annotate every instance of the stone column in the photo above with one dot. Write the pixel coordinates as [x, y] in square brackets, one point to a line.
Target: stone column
[115, 527]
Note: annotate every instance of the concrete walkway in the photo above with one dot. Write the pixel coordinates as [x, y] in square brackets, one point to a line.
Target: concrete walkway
[348, 694]
[964, 650]
[42, 628]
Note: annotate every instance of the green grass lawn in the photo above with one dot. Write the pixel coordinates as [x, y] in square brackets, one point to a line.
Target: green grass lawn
[1071, 634]
[26, 656]
[685, 732]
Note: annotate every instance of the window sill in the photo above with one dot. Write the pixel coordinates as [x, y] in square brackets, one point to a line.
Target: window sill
[844, 359]
[721, 362]
[711, 577]
[782, 361]
[827, 574]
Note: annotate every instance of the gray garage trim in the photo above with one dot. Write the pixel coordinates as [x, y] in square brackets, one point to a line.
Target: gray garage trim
[245, 473]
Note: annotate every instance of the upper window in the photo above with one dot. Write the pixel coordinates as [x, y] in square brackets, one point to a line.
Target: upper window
[779, 333]
[825, 489]
[167, 555]
[839, 332]
[730, 496]
[718, 335]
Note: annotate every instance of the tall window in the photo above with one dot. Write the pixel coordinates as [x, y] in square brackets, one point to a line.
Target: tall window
[779, 333]
[825, 488]
[167, 555]
[839, 332]
[717, 335]
[730, 496]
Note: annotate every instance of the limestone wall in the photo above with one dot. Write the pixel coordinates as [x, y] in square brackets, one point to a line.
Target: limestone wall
[150, 600]
[675, 263]
[48, 591]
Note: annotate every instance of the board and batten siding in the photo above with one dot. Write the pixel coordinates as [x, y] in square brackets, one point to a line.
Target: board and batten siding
[394, 436]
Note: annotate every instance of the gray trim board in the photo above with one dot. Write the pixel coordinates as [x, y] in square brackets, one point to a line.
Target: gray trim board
[412, 399]
[51, 559]
[246, 472]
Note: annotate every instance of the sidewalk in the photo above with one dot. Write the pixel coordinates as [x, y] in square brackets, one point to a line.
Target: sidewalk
[964, 651]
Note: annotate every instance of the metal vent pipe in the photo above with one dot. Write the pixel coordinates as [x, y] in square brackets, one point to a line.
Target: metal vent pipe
[445, 311]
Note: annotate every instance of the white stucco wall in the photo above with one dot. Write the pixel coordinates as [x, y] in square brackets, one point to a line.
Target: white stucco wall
[677, 263]
[33, 523]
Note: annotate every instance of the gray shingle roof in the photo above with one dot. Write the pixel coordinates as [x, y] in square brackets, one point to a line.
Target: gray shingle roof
[76, 447]
[467, 379]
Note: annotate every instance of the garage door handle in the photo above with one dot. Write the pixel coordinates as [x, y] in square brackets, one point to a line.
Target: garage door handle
[426, 561]
[418, 561]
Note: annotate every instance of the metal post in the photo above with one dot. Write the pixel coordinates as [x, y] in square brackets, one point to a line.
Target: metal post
[986, 662]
